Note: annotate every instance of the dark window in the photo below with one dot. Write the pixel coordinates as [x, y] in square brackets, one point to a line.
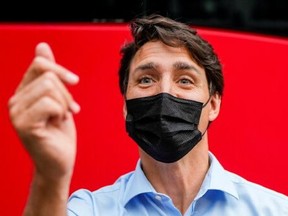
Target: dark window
[262, 16]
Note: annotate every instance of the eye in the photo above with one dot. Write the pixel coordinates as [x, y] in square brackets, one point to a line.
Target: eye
[185, 81]
[145, 80]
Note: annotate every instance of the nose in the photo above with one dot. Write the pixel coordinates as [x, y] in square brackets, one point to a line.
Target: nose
[166, 85]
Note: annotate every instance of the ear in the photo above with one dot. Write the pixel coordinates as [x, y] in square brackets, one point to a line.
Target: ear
[215, 104]
[124, 110]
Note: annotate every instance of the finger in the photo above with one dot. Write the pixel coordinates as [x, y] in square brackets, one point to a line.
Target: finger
[43, 49]
[39, 115]
[45, 60]
[40, 65]
[46, 85]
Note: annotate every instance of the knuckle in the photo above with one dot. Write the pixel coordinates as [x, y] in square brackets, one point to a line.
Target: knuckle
[46, 101]
[40, 65]
[38, 61]
[11, 102]
[12, 113]
[49, 103]
[16, 120]
[51, 106]
[49, 75]
[48, 85]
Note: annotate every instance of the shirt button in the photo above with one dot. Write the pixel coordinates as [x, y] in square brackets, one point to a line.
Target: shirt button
[158, 197]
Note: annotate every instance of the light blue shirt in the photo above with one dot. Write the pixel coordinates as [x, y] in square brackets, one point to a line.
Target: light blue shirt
[222, 193]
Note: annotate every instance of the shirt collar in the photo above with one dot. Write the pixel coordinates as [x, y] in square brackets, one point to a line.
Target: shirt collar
[137, 184]
[217, 178]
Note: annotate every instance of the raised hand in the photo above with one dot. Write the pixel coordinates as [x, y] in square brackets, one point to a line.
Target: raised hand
[41, 110]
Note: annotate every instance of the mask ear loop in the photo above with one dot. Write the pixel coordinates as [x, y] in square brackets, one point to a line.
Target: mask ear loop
[211, 91]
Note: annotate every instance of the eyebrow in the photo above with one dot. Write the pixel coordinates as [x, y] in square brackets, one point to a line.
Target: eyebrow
[179, 65]
[147, 66]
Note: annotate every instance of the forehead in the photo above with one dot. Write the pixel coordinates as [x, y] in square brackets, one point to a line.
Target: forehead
[158, 49]
[164, 56]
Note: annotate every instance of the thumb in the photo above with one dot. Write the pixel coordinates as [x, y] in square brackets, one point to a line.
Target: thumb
[44, 50]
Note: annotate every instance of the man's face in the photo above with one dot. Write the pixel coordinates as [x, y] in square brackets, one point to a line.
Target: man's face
[158, 68]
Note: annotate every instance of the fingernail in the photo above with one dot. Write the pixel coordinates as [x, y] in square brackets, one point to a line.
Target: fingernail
[75, 108]
[72, 78]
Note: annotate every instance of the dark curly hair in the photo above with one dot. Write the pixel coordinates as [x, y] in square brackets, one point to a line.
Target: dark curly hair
[175, 34]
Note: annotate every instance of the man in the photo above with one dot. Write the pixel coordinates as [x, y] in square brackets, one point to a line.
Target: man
[172, 84]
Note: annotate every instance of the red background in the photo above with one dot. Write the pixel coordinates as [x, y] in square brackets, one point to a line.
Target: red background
[249, 137]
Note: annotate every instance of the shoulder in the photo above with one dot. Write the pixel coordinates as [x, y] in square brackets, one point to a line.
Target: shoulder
[103, 199]
[246, 186]
[258, 196]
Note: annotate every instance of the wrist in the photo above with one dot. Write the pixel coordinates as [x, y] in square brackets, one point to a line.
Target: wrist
[52, 186]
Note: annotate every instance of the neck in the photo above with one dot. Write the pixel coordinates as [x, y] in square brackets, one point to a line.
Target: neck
[186, 175]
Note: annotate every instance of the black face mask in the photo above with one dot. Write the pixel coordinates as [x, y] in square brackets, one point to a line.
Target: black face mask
[164, 126]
